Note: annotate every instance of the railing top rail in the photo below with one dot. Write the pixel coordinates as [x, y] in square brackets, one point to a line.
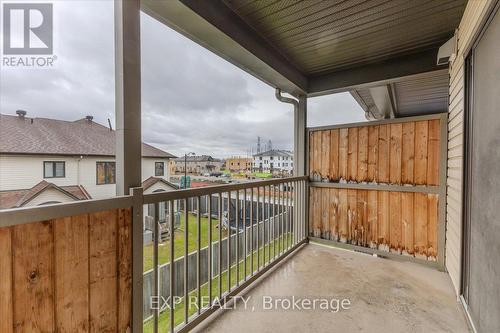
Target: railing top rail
[432, 116]
[201, 191]
[15, 216]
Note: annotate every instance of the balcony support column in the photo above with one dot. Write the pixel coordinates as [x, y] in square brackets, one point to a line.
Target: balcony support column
[299, 159]
[299, 137]
[128, 147]
[128, 95]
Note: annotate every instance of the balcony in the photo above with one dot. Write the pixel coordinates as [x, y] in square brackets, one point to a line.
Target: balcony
[374, 215]
[84, 265]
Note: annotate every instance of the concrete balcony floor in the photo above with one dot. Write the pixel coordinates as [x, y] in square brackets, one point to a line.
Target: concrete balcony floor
[385, 296]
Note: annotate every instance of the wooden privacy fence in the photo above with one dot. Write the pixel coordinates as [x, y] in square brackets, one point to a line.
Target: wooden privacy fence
[70, 274]
[380, 185]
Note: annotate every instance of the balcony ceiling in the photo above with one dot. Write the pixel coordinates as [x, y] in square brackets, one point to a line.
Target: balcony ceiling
[319, 47]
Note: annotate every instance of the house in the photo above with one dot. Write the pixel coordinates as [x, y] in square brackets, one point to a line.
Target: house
[198, 164]
[48, 160]
[239, 164]
[274, 161]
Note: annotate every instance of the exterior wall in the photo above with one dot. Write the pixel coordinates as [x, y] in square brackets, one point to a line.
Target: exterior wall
[239, 163]
[159, 186]
[24, 172]
[474, 15]
[198, 167]
[280, 163]
[50, 195]
[148, 168]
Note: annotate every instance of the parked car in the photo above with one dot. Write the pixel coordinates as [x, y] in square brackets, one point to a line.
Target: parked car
[215, 174]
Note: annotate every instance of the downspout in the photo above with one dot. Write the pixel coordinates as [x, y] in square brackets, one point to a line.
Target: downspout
[295, 104]
[287, 100]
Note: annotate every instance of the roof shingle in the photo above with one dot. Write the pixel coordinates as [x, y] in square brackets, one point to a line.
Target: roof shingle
[23, 135]
[18, 198]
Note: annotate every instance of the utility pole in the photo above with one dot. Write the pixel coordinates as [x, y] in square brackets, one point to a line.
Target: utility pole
[185, 169]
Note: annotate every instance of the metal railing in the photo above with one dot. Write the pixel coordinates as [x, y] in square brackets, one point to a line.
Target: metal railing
[228, 236]
[225, 238]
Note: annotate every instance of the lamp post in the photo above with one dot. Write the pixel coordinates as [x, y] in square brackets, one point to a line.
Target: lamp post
[185, 167]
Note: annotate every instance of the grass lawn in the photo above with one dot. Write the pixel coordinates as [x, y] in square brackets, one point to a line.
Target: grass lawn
[164, 248]
[164, 319]
[262, 175]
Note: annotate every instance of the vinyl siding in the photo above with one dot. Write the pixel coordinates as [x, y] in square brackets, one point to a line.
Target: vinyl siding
[50, 195]
[470, 24]
[148, 167]
[23, 172]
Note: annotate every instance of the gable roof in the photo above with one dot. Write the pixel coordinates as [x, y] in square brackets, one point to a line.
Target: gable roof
[23, 135]
[274, 152]
[196, 158]
[153, 180]
[19, 198]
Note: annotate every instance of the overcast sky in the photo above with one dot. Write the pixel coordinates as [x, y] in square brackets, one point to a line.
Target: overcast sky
[192, 100]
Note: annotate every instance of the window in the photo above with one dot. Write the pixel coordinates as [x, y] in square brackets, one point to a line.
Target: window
[105, 173]
[52, 169]
[159, 169]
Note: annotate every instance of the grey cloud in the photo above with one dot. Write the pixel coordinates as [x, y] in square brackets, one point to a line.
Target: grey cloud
[192, 100]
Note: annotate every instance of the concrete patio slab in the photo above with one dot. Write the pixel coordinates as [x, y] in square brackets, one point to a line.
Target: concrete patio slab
[384, 296]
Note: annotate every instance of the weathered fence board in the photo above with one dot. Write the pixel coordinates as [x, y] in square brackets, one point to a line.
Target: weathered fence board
[69, 274]
[399, 222]
[362, 157]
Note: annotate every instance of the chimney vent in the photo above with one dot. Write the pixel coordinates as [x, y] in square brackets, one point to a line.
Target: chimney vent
[21, 113]
[89, 118]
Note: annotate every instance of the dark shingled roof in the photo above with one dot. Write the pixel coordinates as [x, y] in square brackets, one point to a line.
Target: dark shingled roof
[58, 137]
[201, 158]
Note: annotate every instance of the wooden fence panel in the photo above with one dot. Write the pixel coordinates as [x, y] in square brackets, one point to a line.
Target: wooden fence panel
[399, 222]
[408, 153]
[343, 152]
[395, 153]
[325, 154]
[362, 154]
[6, 302]
[421, 137]
[70, 274]
[33, 272]
[334, 213]
[352, 155]
[334, 155]
[71, 239]
[400, 153]
[372, 174]
[383, 154]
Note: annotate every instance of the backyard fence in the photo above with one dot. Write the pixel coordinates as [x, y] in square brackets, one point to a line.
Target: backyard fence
[164, 270]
